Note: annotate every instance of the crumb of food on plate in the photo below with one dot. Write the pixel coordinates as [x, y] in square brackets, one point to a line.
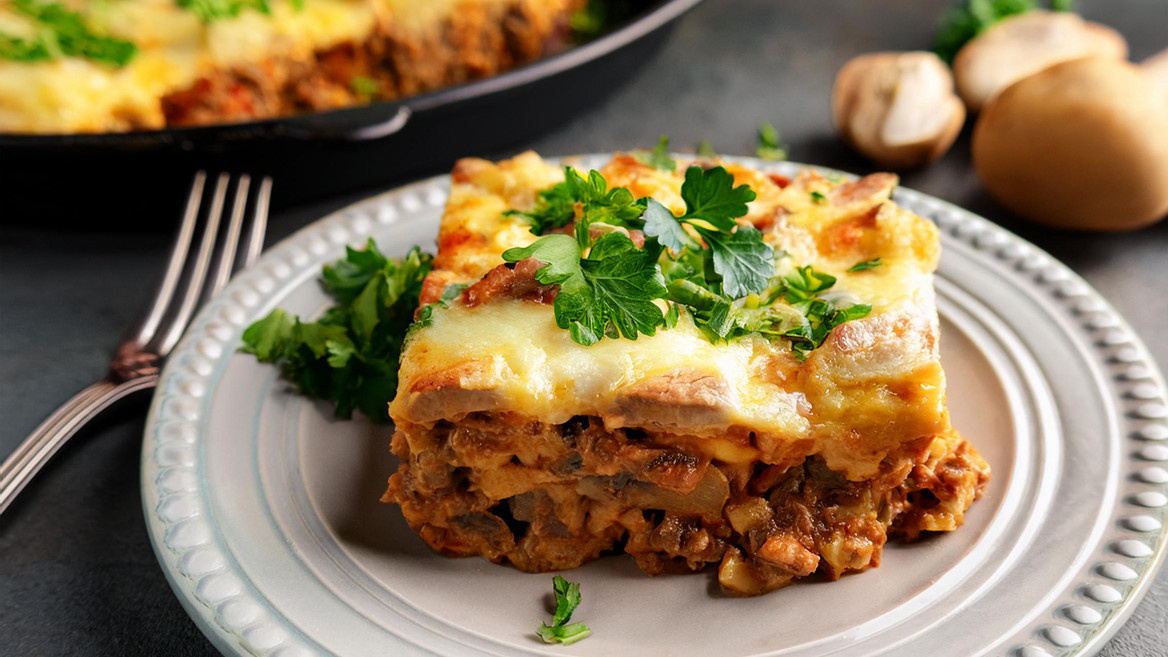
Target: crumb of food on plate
[1082, 144]
[698, 365]
[897, 109]
[567, 595]
[1021, 46]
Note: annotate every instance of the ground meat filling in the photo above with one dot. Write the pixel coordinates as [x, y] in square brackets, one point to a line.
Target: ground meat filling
[514, 280]
[550, 497]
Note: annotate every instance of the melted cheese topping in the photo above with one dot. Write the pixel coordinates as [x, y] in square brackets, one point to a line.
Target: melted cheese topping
[176, 49]
[873, 385]
[517, 351]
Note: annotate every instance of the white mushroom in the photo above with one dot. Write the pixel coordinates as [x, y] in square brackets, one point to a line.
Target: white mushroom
[898, 109]
[1082, 144]
[1025, 44]
[1156, 68]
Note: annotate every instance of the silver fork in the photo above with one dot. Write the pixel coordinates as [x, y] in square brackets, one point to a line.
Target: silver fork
[136, 363]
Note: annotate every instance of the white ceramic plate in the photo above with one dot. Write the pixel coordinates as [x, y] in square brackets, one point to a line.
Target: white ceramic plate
[264, 510]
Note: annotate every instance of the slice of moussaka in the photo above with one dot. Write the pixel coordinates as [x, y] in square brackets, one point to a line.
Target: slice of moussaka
[75, 66]
[694, 363]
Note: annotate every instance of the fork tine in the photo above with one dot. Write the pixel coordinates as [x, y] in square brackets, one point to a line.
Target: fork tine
[224, 258]
[146, 328]
[253, 242]
[197, 276]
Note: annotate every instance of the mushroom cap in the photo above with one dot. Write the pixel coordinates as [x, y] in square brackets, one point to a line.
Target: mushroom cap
[897, 109]
[1082, 144]
[1022, 45]
[1156, 68]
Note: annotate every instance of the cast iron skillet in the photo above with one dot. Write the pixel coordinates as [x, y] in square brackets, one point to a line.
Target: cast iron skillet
[60, 176]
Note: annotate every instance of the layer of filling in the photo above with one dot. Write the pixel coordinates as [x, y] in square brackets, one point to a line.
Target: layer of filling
[549, 497]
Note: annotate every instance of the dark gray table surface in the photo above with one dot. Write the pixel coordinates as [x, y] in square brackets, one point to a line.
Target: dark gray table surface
[77, 573]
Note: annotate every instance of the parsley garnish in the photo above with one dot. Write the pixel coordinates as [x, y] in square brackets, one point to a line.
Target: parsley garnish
[63, 32]
[866, 264]
[969, 18]
[705, 149]
[713, 268]
[365, 87]
[607, 293]
[658, 158]
[212, 10]
[558, 205]
[818, 198]
[349, 356]
[597, 17]
[801, 289]
[23, 50]
[740, 259]
[567, 599]
[769, 147]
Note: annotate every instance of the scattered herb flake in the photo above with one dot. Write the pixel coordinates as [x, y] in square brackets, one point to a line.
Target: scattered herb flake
[658, 158]
[365, 87]
[598, 17]
[567, 596]
[818, 198]
[865, 265]
[769, 147]
[705, 149]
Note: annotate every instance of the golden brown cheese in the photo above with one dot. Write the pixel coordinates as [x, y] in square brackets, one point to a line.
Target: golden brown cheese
[873, 384]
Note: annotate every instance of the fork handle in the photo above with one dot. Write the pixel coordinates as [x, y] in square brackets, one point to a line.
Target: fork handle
[40, 446]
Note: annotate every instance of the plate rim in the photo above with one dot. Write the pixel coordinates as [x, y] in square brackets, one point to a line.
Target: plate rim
[171, 526]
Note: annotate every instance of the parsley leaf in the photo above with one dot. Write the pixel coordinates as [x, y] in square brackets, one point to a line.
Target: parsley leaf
[658, 158]
[608, 293]
[743, 260]
[567, 596]
[584, 200]
[768, 147]
[710, 195]
[865, 265]
[705, 149]
[350, 355]
[801, 289]
[567, 599]
[742, 263]
[660, 223]
[63, 32]
[818, 198]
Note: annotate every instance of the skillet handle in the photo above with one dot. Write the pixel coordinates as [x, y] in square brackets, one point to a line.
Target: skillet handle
[344, 128]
